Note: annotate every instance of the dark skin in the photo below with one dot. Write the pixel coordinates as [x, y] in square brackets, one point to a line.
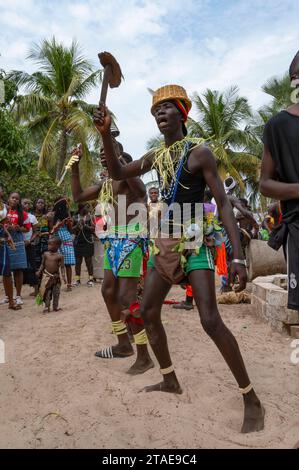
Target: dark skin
[274, 212]
[118, 293]
[7, 280]
[26, 204]
[169, 122]
[248, 223]
[79, 223]
[153, 195]
[269, 184]
[69, 225]
[52, 262]
[13, 202]
[39, 210]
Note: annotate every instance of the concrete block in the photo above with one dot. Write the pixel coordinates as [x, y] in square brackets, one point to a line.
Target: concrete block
[281, 314]
[261, 289]
[262, 279]
[294, 331]
[292, 317]
[259, 306]
[277, 297]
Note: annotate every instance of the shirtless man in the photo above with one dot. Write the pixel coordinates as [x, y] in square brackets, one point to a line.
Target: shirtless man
[119, 288]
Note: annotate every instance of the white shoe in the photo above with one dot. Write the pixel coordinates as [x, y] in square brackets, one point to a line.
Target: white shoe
[19, 300]
[90, 283]
[4, 301]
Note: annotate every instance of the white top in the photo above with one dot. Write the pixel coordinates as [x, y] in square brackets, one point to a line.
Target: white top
[33, 221]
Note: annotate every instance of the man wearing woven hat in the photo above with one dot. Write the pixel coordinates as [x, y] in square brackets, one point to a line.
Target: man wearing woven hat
[185, 166]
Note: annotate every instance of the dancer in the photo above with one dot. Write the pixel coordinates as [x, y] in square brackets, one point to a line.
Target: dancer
[185, 168]
[122, 265]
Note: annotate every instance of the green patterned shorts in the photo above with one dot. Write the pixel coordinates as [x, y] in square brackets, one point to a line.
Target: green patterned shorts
[204, 260]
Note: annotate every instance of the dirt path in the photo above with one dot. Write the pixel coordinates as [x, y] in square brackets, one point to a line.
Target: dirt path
[54, 393]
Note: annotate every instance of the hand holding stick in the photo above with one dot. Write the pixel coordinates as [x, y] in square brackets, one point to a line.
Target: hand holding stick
[76, 154]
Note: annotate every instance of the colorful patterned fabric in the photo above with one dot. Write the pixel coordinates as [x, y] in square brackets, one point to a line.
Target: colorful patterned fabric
[4, 255]
[119, 248]
[67, 246]
[17, 257]
[130, 265]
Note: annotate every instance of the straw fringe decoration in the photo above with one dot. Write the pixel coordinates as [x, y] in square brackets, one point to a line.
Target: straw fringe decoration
[106, 194]
[166, 158]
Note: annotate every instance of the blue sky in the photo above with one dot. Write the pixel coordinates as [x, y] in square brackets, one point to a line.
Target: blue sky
[195, 43]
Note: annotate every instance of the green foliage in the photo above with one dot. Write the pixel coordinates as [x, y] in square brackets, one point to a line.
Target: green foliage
[33, 184]
[222, 118]
[279, 88]
[10, 90]
[14, 154]
[53, 108]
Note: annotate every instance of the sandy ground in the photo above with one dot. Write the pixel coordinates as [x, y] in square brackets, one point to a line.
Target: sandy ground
[54, 393]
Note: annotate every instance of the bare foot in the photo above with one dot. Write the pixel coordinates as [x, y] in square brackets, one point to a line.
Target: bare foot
[57, 309]
[69, 288]
[141, 366]
[169, 386]
[115, 351]
[14, 306]
[254, 415]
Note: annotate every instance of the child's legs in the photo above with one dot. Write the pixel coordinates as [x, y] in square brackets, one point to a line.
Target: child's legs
[56, 295]
[48, 297]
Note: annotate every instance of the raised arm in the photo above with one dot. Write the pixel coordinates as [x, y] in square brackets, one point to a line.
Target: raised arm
[269, 186]
[236, 203]
[79, 194]
[117, 171]
[210, 173]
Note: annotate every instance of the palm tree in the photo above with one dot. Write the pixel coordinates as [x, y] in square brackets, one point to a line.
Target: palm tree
[223, 121]
[53, 106]
[280, 90]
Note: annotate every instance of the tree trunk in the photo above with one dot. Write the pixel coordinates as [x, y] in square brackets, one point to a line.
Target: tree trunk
[62, 154]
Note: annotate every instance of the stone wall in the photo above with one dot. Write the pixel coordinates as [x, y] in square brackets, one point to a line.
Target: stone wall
[270, 297]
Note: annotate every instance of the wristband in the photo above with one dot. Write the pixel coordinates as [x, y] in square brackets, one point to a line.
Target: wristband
[239, 261]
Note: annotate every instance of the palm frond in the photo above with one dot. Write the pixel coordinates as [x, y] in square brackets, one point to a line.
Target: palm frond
[48, 144]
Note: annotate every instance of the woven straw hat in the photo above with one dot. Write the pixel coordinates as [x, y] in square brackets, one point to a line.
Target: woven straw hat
[170, 92]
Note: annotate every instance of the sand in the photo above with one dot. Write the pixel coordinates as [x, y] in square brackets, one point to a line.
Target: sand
[54, 393]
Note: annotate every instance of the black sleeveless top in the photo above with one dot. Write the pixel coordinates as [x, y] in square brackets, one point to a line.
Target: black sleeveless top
[281, 135]
[189, 194]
